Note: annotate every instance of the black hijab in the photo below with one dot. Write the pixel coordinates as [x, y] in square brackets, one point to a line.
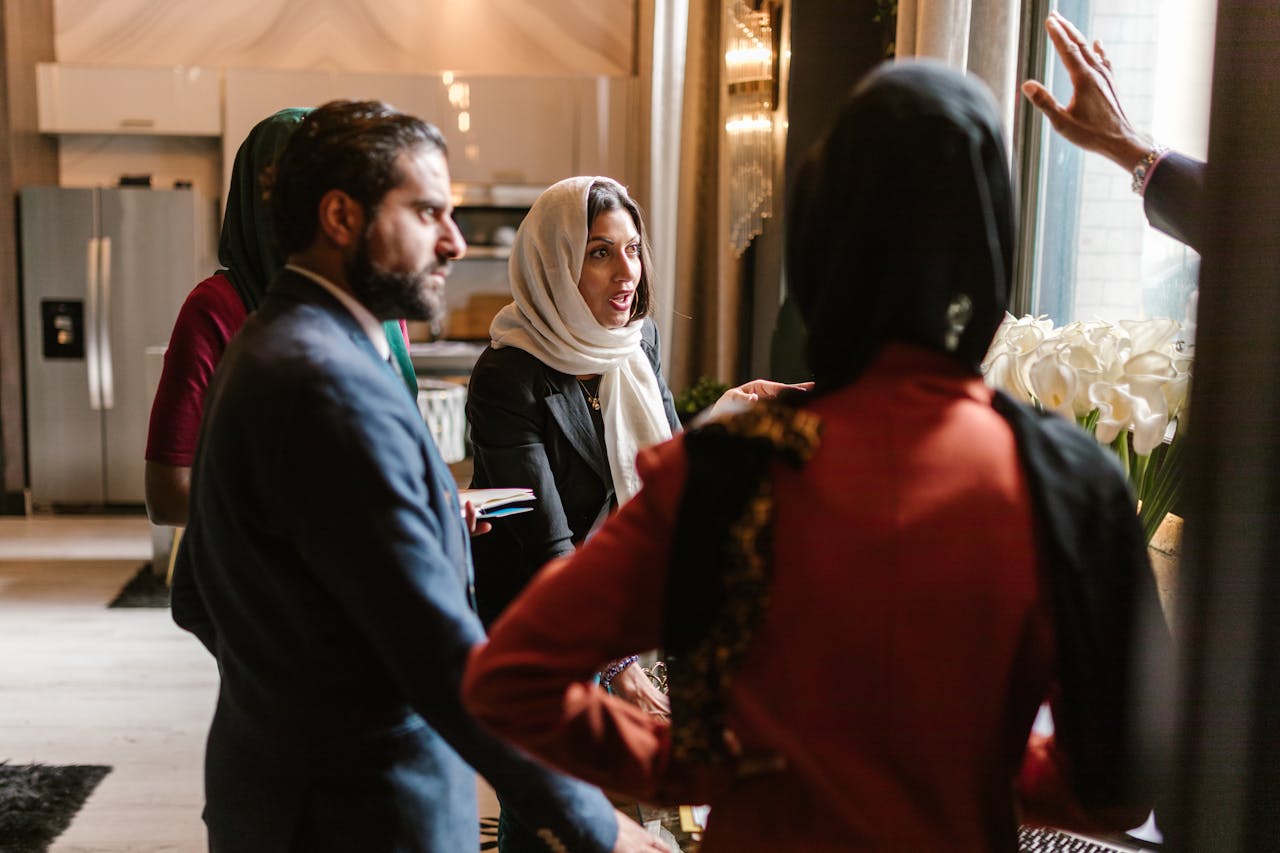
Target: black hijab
[900, 215]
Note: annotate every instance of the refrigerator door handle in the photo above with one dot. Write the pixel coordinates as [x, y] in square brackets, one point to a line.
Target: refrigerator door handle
[104, 336]
[92, 365]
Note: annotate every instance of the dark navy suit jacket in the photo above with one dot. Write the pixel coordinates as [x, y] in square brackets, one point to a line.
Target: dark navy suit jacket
[327, 569]
[1174, 199]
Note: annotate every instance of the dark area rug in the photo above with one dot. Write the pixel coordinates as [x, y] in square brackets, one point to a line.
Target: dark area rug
[145, 589]
[488, 833]
[38, 801]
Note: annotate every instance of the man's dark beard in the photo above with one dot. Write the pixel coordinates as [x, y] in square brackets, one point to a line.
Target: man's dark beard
[393, 295]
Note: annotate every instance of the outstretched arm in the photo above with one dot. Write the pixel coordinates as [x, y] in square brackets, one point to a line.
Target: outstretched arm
[1093, 119]
[748, 392]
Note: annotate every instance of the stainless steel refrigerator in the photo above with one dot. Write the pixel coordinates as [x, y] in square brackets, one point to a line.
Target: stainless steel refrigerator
[104, 272]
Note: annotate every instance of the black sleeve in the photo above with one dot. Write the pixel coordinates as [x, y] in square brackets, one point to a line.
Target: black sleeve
[506, 417]
[1174, 199]
[1097, 570]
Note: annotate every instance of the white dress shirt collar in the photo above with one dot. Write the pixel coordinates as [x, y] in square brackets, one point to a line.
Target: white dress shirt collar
[372, 327]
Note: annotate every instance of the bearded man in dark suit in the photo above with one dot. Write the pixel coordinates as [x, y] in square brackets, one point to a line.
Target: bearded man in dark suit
[327, 564]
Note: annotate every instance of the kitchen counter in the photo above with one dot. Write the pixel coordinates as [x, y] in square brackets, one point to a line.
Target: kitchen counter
[445, 358]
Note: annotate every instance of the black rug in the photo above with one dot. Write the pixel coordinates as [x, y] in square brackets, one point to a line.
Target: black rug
[488, 833]
[145, 589]
[38, 801]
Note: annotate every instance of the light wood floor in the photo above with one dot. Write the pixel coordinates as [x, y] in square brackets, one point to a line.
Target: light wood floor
[83, 684]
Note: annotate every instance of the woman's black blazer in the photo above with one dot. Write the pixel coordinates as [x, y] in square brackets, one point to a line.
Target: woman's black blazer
[531, 428]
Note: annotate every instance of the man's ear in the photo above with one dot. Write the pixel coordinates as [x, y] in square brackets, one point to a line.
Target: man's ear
[341, 218]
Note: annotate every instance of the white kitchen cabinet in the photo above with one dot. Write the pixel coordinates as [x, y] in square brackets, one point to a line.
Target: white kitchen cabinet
[415, 94]
[517, 134]
[181, 101]
[512, 130]
[255, 93]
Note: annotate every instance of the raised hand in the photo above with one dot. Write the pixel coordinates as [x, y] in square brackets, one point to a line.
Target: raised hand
[1094, 119]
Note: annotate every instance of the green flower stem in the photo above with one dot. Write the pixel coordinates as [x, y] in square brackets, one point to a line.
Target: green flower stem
[1167, 483]
[1121, 447]
[1141, 464]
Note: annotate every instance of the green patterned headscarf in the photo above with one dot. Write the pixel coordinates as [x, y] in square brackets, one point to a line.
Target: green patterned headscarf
[246, 249]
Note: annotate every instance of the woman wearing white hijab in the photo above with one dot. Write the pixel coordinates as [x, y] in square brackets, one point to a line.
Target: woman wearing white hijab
[570, 388]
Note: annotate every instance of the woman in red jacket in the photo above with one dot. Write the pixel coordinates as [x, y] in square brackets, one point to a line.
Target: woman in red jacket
[863, 595]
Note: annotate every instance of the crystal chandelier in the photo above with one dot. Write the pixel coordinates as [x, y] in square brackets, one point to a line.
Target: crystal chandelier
[751, 80]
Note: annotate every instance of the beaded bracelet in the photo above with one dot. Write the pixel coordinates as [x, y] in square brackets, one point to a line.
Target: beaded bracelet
[615, 668]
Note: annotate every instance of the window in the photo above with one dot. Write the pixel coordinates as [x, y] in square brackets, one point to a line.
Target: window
[1094, 256]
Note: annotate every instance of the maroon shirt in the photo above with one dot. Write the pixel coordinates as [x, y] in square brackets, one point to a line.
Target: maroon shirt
[210, 316]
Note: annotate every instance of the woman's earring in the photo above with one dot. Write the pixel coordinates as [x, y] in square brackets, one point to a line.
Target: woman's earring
[959, 313]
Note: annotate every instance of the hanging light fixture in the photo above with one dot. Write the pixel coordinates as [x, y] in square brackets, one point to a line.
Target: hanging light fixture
[751, 81]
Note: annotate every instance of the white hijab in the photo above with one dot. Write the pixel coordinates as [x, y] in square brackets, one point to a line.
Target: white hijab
[550, 320]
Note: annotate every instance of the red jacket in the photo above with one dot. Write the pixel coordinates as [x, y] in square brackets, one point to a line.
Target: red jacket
[906, 648]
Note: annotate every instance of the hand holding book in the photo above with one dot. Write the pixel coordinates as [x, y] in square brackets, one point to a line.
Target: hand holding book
[496, 503]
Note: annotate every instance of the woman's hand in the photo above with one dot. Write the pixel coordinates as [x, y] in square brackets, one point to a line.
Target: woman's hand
[749, 392]
[471, 516]
[634, 686]
[765, 389]
[632, 837]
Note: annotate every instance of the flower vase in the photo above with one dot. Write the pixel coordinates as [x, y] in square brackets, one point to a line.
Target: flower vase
[1164, 549]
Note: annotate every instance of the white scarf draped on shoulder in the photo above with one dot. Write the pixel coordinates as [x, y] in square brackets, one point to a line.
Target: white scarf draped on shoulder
[551, 321]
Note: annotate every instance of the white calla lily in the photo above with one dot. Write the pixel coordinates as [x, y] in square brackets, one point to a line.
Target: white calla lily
[1109, 346]
[1053, 383]
[1120, 409]
[1128, 382]
[1088, 369]
[1150, 420]
[1175, 395]
[1024, 338]
[1147, 373]
[1154, 335]
[1115, 409]
[1151, 365]
[1003, 372]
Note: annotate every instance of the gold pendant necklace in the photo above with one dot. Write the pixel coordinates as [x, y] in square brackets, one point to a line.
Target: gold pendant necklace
[593, 400]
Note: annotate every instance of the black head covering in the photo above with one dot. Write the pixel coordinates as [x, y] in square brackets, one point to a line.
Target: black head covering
[246, 248]
[898, 215]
